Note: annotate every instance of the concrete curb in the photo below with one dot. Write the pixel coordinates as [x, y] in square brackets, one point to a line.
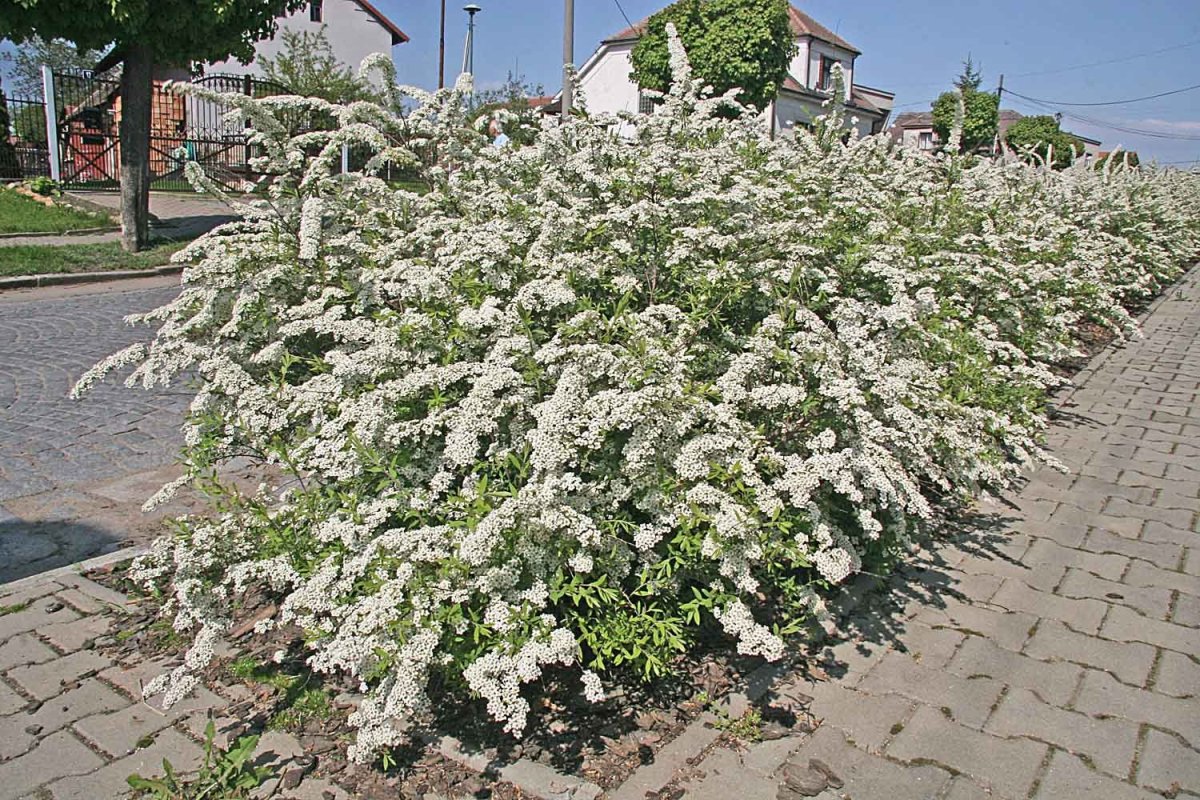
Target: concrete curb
[62, 278]
[52, 234]
[76, 569]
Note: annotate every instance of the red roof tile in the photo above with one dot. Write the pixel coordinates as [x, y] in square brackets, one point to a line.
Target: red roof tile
[802, 25]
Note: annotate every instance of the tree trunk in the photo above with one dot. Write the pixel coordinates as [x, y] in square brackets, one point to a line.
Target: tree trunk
[136, 101]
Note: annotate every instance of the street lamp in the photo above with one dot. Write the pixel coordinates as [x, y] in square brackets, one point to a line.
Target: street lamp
[469, 51]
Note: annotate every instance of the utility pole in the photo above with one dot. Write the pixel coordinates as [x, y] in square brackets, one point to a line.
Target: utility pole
[568, 56]
[999, 100]
[442, 49]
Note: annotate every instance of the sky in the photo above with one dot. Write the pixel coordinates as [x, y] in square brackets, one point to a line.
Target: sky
[1062, 51]
[1046, 49]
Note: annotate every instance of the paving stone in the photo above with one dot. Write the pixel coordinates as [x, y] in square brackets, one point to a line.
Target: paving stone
[1191, 563]
[184, 755]
[850, 660]
[1084, 616]
[931, 647]
[865, 775]
[1167, 762]
[1154, 603]
[10, 701]
[1053, 681]
[57, 756]
[119, 732]
[101, 594]
[1039, 576]
[1068, 777]
[1143, 574]
[1129, 662]
[1126, 625]
[1007, 766]
[1109, 744]
[963, 788]
[672, 757]
[1105, 565]
[46, 680]
[1102, 694]
[1009, 629]
[1178, 675]
[1159, 533]
[33, 616]
[968, 700]
[1067, 534]
[24, 648]
[1187, 612]
[90, 697]
[1161, 554]
[1176, 518]
[867, 720]
[71, 636]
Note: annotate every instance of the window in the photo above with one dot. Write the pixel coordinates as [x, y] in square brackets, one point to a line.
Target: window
[645, 103]
[314, 11]
[925, 140]
[825, 75]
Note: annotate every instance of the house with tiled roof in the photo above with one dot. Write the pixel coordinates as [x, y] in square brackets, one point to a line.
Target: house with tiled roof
[605, 79]
[355, 29]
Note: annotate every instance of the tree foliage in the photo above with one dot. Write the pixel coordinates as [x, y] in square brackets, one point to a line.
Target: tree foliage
[733, 44]
[1036, 136]
[981, 111]
[58, 54]
[307, 66]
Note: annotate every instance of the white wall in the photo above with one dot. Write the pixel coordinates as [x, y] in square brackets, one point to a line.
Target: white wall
[798, 69]
[606, 84]
[815, 51]
[353, 34]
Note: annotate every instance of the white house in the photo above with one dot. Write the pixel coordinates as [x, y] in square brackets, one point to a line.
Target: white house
[355, 29]
[608, 87]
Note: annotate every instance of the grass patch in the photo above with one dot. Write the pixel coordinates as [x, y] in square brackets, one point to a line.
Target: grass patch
[19, 214]
[14, 608]
[52, 259]
[301, 701]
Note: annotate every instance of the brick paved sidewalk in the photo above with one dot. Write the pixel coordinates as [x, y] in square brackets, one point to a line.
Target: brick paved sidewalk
[1054, 650]
[1050, 651]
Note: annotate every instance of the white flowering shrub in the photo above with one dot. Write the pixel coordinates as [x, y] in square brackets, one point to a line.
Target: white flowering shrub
[590, 396]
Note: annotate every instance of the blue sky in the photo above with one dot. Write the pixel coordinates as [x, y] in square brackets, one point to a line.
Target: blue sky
[914, 49]
[1059, 50]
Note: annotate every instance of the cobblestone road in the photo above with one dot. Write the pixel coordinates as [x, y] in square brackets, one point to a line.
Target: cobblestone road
[65, 464]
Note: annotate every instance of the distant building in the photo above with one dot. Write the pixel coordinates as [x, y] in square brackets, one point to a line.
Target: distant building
[605, 79]
[915, 129]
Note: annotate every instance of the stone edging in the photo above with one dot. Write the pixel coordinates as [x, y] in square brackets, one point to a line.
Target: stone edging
[62, 278]
[74, 570]
[52, 234]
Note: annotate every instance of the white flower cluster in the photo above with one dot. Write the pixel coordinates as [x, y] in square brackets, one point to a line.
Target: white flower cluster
[536, 415]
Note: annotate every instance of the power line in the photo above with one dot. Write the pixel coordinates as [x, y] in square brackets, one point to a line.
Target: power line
[623, 14]
[1101, 123]
[1108, 61]
[1110, 102]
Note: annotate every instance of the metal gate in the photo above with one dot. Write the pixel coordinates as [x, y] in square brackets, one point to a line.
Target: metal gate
[182, 128]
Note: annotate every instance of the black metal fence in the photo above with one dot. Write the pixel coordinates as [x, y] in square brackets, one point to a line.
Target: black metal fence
[23, 150]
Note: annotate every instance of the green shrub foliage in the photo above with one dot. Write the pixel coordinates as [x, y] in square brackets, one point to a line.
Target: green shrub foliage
[590, 397]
